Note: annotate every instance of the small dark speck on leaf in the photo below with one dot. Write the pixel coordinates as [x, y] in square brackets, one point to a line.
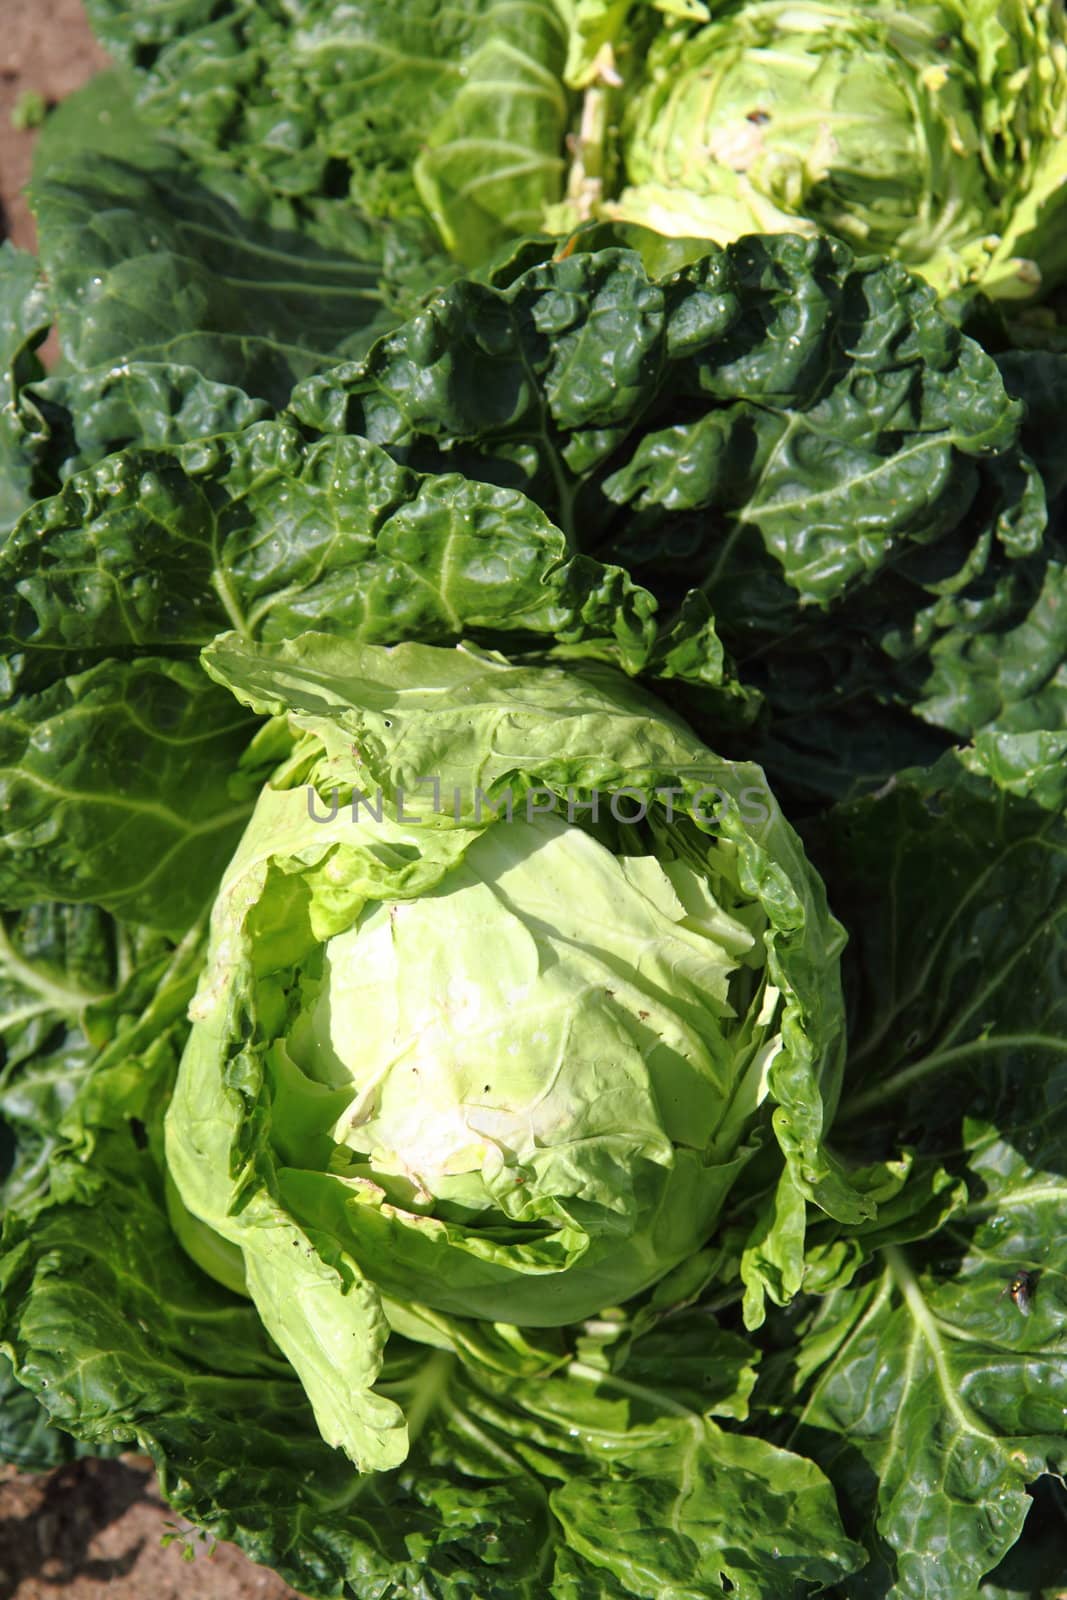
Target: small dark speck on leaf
[1021, 1288]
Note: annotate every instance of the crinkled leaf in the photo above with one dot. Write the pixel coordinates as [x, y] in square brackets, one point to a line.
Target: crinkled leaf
[188, 302]
[795, 356]
[805, 439]
[267, 531]
[405, 111]
[69, 978]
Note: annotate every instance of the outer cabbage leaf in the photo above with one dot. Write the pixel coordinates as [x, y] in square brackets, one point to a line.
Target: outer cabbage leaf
[117, 789]
[932, 1405]
[189, 302]
[503, 1492]
[27, 1439]
[956, 997]
[268, 532]
[837, 414]
[195, 270]
[67, 974]
[56, 962]
[155, 266]
[146, 555]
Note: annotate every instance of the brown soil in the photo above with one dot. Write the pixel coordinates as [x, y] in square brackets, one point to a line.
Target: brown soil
[93, 1529]
[46, 47]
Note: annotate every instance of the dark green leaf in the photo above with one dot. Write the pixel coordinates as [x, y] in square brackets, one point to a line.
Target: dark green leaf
[24, 319]
[955, 896]
[117, 787]
[405, 111]
[274, 535]
[803, 438]
[931, 1386]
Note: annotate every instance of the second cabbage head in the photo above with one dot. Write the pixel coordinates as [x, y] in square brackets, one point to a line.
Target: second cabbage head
[933, 133]
[509, 978]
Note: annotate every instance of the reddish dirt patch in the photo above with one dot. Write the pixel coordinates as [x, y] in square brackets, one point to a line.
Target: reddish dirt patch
[93, 1530]
[47, 47]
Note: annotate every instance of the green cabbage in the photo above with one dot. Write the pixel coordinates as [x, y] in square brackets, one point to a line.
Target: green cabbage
[470, 1039]
[933, 133]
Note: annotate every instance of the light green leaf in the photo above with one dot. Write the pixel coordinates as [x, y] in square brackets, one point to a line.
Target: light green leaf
[493, 162]
[397, 1195]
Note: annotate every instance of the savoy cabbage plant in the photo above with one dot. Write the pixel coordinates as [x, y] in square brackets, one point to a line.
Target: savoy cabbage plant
[532, 872]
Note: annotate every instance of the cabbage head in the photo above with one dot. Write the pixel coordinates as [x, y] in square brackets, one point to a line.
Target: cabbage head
[935, 133]
[489, 1029]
